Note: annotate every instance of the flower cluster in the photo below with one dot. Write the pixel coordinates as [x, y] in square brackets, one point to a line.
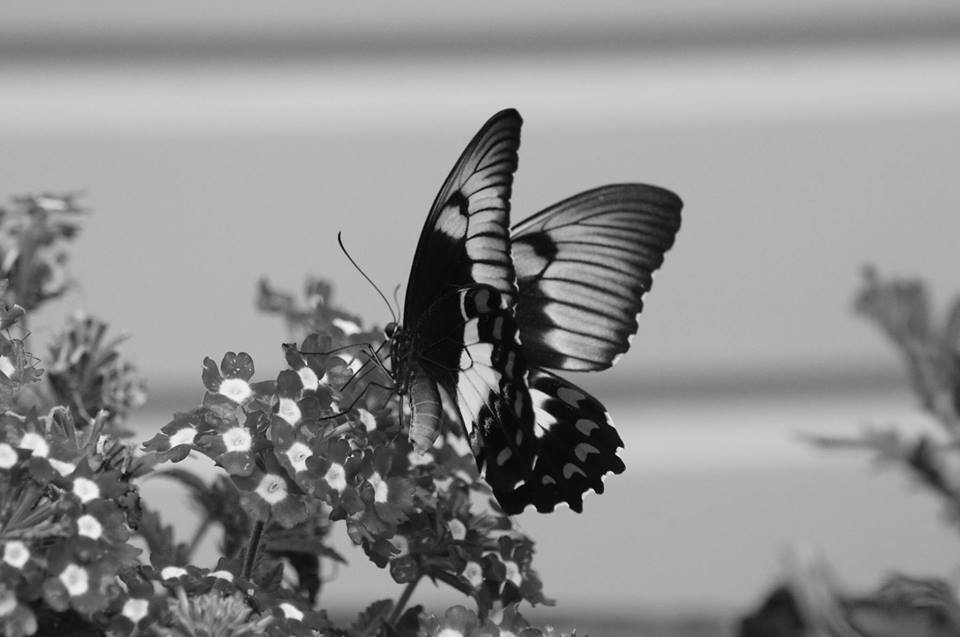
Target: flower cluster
[187, 601]
[87, 372]
[323, 439]
[67, 511]
[458, 534]
[321, 443]
[458, 621]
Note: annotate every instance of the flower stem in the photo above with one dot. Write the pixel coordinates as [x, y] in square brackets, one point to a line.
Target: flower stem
[402, 602]
[454, 582]
[252, 545]
[198, 535]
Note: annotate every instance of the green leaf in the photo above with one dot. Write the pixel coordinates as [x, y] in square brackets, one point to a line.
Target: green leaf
[371, 619]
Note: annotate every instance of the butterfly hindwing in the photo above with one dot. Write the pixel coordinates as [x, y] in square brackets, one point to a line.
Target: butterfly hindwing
[577, 445]
[492, 393]
[583, 266]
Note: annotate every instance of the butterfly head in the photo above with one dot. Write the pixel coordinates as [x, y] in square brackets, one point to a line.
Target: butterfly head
[390, 331]
[398, 340]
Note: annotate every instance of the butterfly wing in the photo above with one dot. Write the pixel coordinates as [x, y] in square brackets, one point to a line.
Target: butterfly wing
[459, 309]
[466, 238]
[577, 446]
[583, 266]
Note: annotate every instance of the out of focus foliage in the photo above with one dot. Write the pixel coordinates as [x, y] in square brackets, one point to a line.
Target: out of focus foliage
[809, 603]
[930, 349]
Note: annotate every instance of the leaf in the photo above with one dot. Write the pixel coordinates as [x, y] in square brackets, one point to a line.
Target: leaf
[164, 550]
[9, 315]
[409, 623]
[371, 619]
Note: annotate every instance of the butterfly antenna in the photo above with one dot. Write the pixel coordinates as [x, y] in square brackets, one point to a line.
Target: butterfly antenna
[364, 274]
[396, 298]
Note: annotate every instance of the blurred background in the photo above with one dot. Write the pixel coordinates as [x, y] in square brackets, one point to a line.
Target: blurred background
[222, 143]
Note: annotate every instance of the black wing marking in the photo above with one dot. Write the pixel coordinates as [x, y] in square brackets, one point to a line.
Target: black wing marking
[466, 238]
[577, 447]
[583, 266]
[489, 382]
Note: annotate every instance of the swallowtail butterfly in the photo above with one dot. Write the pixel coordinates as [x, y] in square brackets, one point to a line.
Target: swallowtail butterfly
[491, 310]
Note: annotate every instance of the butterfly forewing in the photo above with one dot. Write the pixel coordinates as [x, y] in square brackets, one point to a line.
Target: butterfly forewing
[459, 309]
[466, 239]
[583, 266]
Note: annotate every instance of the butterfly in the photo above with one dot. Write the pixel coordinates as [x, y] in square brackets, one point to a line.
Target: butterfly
[492, 312]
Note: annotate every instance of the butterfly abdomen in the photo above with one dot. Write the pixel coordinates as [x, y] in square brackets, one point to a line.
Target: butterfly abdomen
[425, 404]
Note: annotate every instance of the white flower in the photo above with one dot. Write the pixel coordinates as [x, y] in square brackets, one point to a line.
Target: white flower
[86, 489]
[473, 573]
[381, 490]
[336, 477]
[289, 410]
[457, 529]
[309, 378]
[236, 389]
[8, 456]
[237, 439]
[183, 436]
[172, 572]
[290, 611]
[16, 553]
[136, 609]
[298, 454]
[89, 526]
[35, 443]
[75, 579]
[272, 489]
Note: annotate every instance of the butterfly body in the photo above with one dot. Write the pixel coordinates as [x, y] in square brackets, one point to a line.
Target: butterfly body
[490, 310]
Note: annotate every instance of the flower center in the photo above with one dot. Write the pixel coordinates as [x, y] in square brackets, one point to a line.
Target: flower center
[236, 389]
[16, 553]
[8, 457]
[86, 489]
[289, 410]
[136, 609]
[336, 477]
[35, 443]
[89, 526]
[272, 489]
[298, 454]
[183, 436]
[237, 439]
[75, 579]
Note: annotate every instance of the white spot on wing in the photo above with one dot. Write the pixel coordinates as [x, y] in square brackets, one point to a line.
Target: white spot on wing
[498, 328]
[470, 334]
[586, 426]
[451, 224]
[583, 450]
[570, 396]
